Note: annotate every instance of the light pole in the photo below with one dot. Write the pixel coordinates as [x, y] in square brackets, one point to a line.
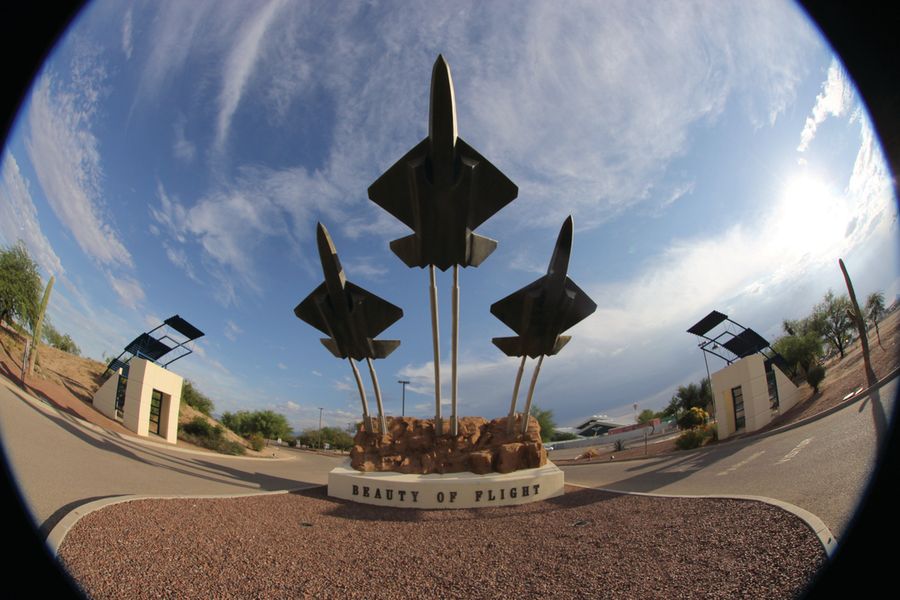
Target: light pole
[403, 384]
[320, 427]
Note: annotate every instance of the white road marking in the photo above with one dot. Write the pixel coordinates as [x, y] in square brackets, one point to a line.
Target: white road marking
[737, 466]
[795, 451]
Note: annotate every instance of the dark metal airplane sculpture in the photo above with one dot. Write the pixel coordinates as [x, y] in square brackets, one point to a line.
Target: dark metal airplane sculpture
[351, 317]
[443, 189]
[539, 313]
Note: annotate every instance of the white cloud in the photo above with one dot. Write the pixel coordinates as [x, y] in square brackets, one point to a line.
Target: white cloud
[835, 99]
[232, 330]
[127, 24]
[66, 158]
[240, 64]
[19, 220]
[127, 288]
[183, 148]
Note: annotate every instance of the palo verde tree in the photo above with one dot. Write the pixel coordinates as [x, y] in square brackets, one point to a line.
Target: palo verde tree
[20, 285]
[833, 315]
[875, 311]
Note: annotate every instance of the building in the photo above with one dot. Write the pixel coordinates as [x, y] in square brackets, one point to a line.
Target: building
[749, 393]
[597, 425]
[141, 393]
[144, 397]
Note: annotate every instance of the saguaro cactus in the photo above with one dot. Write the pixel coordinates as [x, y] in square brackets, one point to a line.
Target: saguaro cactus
[39, 325]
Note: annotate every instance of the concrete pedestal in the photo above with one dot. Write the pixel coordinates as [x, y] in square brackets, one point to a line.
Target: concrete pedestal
[451, 490]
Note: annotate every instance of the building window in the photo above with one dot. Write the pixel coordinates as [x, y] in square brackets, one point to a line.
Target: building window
[737, 396]
[155, 410]
[773, 388]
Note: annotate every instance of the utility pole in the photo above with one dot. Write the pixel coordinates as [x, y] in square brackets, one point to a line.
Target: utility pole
[320, 427]
[403, 383]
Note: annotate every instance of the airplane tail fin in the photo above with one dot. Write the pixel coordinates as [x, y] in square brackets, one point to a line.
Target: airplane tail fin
[332, 347]
[510, 346]
[561, 340]
[407, 250]
[480, 248]
[384, 347]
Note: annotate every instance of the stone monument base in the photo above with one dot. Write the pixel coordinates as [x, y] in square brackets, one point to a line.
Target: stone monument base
[447, 491]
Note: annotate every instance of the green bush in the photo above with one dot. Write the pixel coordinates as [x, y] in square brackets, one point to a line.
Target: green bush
[690, 439]
[712, 431]
[814, 376]
[200, 427]
[693, 418]
[257, 441]
[202, 433]
[231, 447]
[619, 445]
[561, 436]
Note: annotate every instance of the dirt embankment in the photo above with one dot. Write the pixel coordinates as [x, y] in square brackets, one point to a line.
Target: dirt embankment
[69, 382]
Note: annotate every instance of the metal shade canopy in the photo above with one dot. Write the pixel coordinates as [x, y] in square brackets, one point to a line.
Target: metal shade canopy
[707, 323]
[746, 343]
[154, 348]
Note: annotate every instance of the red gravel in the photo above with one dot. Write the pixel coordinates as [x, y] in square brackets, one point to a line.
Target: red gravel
[586, 543]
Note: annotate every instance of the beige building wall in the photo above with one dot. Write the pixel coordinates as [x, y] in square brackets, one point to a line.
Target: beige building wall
[144, 377]
[750, 374]
[105, 397]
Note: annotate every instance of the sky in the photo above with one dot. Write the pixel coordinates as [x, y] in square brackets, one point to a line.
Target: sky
[175, 157]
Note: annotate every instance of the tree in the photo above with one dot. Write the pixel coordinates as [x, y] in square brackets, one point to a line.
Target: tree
[799, 351]
[196, 399]
[646, 416]
[545, 419]
[20, 285]
[693, 418]
[875, 311]
[833, 316]
[265, 422]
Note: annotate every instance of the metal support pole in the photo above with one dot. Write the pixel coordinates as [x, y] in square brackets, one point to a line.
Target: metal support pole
[534, 376]
[367, 422]
[320, 427]
[403, 384]
[454, 352]
[381, 420]
[435, 341]
[511, 418]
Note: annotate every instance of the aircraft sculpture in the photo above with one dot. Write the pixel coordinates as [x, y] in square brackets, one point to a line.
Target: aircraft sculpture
[351, 317]
[443, 189]
[539, 313]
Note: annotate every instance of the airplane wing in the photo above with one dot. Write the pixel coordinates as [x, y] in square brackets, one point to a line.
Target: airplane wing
[582, 306]
[309, 311]
[494, 189]
[511, 309]
[379, 314]
[391, 191]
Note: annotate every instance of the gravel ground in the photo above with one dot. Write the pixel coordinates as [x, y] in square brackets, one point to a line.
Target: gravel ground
[585, 543]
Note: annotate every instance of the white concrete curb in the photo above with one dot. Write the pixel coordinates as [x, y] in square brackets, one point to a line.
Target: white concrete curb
[58, 533]
[827, 539]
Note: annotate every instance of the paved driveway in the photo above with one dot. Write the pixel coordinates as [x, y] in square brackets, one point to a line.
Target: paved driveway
[822, 466]
[60, 462]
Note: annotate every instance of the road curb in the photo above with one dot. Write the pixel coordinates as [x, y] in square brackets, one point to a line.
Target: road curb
[818, 527]
[58, 533]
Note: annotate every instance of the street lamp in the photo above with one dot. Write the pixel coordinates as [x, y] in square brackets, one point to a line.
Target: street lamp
[403, 408]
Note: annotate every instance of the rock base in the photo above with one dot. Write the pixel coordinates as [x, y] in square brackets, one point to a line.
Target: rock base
[410, 446]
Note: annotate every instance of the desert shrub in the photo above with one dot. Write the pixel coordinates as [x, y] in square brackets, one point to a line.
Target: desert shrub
[619, 445]
[690, 439]
[693, 418]
[292, 442]
[712, 432]
[561, 436]
[200, 427]
[231, 447]
[814, 376]
[257, 441]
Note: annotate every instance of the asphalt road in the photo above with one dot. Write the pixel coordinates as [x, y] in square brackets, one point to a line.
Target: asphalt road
[60, 463]
[822, 466]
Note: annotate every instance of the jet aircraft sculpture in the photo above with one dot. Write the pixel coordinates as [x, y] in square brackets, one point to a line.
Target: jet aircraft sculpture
[351, 317]
[443, 189]
[539, 313]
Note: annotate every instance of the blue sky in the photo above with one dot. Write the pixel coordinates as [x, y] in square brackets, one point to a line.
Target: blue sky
[174, 157]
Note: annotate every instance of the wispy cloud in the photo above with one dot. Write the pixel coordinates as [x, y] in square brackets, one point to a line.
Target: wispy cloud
[19, 220]
[232, 331]
[239, 66]
[834, 100]
[127, 24]
[183, 148]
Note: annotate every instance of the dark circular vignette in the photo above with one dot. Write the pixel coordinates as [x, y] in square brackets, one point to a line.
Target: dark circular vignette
[865, 35]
